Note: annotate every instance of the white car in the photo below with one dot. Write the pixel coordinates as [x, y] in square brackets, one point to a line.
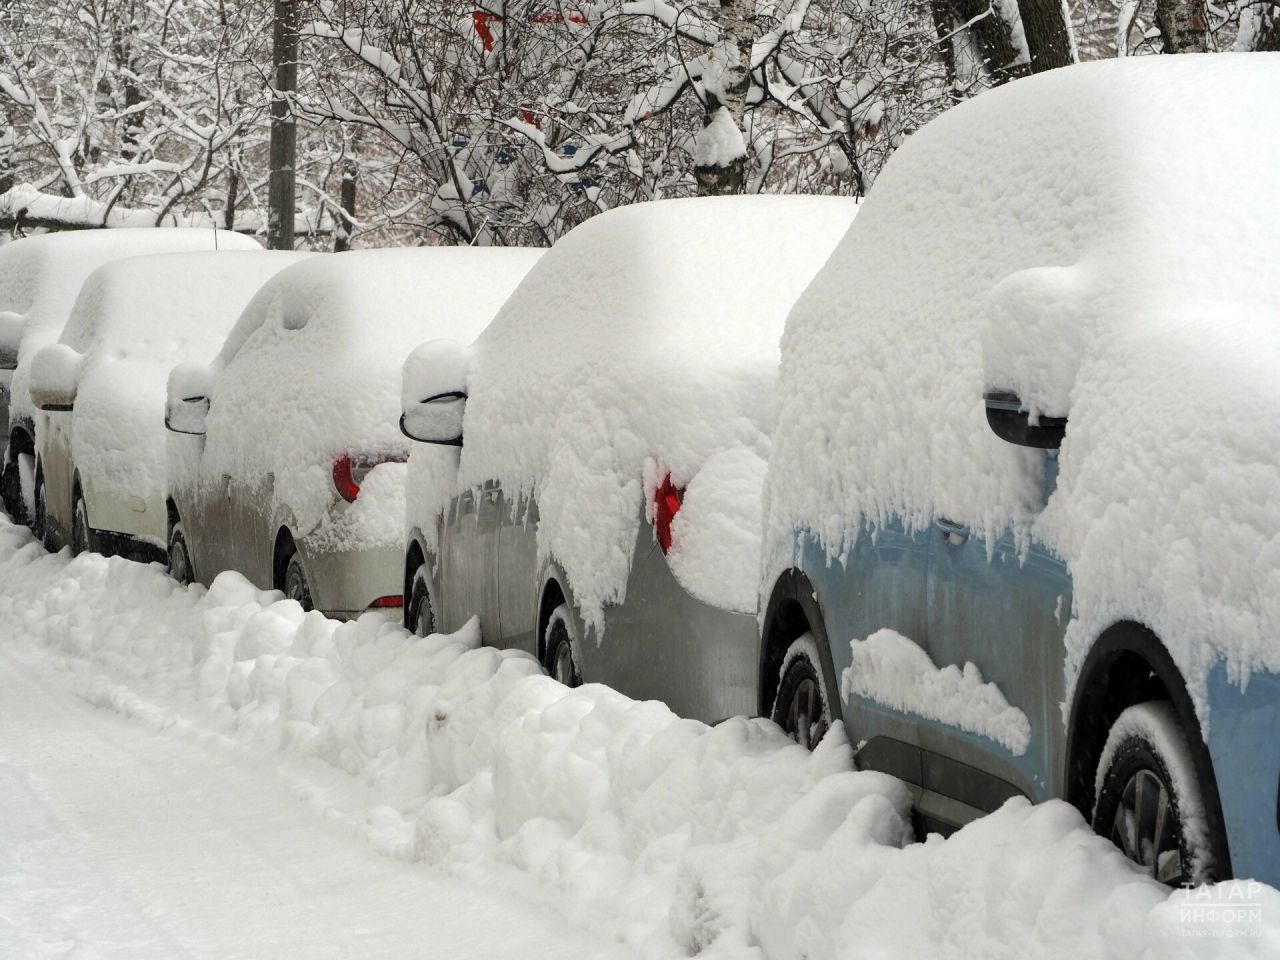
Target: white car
[100, 437]
[285, 460]
[40, 278]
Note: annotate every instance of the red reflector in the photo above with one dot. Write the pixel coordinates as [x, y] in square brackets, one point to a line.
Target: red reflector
[667, 502]
[344, 480]
[383, 602]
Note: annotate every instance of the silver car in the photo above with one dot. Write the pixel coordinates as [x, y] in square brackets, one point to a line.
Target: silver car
[606, 438]
[100, 392]
[284, 461]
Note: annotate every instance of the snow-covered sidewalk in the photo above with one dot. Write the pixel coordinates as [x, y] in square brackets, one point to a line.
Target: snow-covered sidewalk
[118, 842]
[526, 811]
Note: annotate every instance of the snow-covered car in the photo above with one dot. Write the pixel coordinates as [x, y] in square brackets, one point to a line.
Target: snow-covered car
[100, 391]
[1023, 512]
[284, 459]
[610, 430]
[40, 278]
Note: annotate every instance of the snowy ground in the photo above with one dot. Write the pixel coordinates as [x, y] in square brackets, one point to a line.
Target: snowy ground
[215, 774]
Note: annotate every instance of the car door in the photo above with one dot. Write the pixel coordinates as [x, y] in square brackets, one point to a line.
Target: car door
[517, 569]
[1003, 608]
[55, 460]
[465, 562]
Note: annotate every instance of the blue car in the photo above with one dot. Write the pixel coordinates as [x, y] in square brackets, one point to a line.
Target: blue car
[1023, 505]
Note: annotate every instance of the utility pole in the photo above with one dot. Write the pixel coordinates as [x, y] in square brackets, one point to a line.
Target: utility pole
[284, 61]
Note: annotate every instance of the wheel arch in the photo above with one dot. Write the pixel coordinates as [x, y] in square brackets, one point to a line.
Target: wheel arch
[792, 610]
[1129, 664]
[284, 548]
[553, 594]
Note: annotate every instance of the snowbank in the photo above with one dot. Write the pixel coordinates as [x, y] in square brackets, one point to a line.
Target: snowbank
[644, 342]
[40, 278]
[1044, 237]
[677, 838]
[311, 369]
[132, 321]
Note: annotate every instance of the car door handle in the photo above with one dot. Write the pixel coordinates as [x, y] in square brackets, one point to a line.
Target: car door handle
[956, 533]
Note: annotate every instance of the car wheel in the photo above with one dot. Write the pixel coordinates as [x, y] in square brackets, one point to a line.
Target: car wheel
[40, 517]
[1150, 800]
[558, 646]
[11, 490]
[419, 616]
[180, 566]
[295, 582]
[803, 705]
[81, 532]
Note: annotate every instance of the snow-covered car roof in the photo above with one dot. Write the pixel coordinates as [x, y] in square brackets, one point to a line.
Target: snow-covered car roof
[1100, 239]
[40, 277]
[169, 306]
[312, 367]
[647, 335]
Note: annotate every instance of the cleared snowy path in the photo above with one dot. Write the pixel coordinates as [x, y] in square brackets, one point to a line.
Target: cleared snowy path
[118, 841]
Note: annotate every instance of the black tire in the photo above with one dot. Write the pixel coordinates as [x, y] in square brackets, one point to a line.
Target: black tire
[40, 520]
[802, 707]
[559, 659]
[419, 615]
[82, 539]
[1150, 799]
[11, 491]
[296, 586]
[180, 566]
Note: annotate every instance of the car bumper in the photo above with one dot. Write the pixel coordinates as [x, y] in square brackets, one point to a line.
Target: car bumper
[345, 583]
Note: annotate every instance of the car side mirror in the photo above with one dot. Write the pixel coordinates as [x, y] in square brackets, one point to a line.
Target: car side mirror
[1010, 420]
[11, 325]
[187, 415]
[55, 373]
[433, 396]
[186, 407]
[436, 419]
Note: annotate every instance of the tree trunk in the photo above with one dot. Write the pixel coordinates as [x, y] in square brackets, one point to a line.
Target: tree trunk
[346, 222]
[993, 37]
[1048, 32]
[720, 162]
[233, 196]
[280, 228]
[1182, 26]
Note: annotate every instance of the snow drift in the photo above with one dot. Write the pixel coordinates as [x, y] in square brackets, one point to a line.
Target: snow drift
[678, 838]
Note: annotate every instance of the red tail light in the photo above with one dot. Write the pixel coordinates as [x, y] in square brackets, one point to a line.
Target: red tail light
[667, 502]
[382, 603]
[349, 471]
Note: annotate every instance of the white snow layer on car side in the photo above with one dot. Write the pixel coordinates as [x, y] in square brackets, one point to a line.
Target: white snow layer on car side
[647, 334]
[133, 320]
[677, 838]
[1041, 237]
[312, 368]
[892, 670]
[41, 276]
[715, 538]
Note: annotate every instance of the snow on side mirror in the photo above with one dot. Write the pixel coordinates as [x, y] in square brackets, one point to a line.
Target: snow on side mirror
[434, 393]
[11, 325]
[55, 372]
[1031, 350]
[187, 403]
